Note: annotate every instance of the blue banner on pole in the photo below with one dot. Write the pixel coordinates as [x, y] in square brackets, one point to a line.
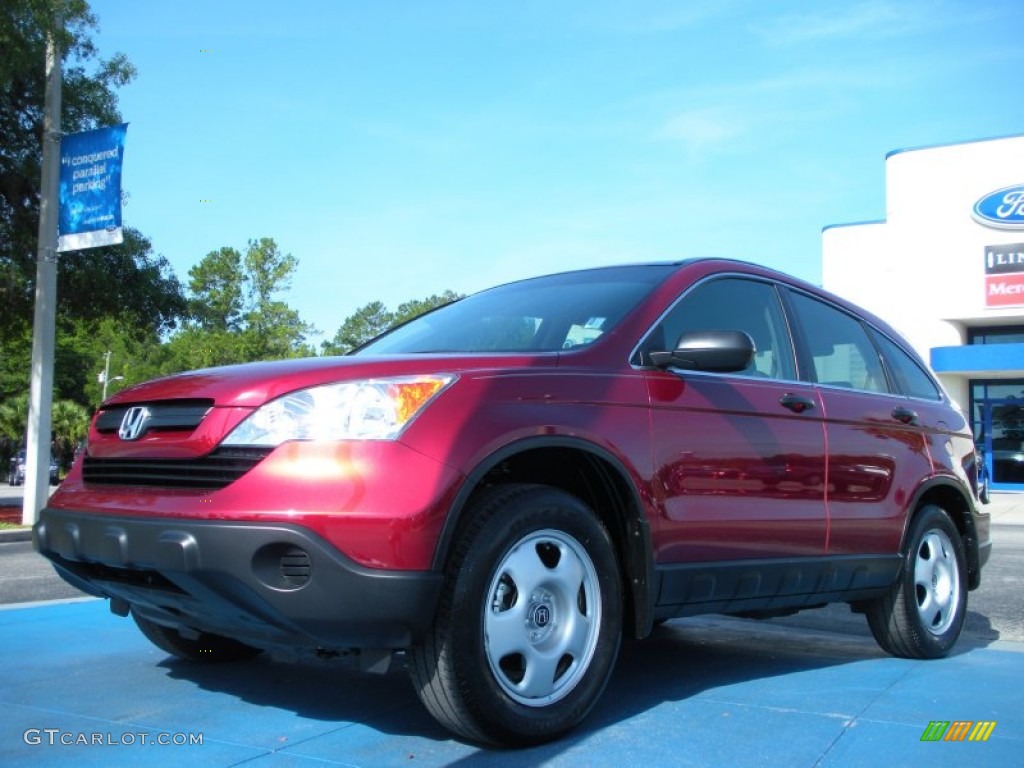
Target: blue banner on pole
[90, 188]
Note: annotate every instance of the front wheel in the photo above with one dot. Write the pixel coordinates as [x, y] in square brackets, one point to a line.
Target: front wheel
[530, 621]
[922, 615]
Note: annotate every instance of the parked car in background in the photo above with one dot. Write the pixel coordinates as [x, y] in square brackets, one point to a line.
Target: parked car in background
[16, 470]
[506, 486]
[983, 475]
[1006, 443]
[1008, 461]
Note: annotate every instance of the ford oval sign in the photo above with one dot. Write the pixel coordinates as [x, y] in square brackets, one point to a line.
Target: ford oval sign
[1002, 209]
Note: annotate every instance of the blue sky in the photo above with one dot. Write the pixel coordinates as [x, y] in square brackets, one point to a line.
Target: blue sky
[399, 149]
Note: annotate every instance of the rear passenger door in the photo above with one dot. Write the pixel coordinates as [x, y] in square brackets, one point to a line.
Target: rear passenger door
[944, 429]
[739, 458]
[877, 454]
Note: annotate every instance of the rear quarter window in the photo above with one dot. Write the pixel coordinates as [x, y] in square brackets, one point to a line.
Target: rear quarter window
[911, 379]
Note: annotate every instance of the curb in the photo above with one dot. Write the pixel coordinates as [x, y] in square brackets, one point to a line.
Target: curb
[15, 534]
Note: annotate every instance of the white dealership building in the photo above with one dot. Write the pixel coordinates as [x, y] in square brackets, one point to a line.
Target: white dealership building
[946, 268]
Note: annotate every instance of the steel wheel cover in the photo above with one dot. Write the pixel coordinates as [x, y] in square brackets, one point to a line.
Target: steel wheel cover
[542, 617]
[936, 582]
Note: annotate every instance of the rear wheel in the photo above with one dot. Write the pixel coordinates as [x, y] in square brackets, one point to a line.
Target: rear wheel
[529, 624]
[923, 614]
[206, 647]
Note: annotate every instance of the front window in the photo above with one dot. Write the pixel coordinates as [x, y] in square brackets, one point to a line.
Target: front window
[733, 304]
[546, 314]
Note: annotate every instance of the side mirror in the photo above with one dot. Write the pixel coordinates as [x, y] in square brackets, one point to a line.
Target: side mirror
[717, 351]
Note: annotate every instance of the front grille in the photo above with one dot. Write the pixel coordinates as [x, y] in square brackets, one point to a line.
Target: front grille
[160, 416]
[211, 472]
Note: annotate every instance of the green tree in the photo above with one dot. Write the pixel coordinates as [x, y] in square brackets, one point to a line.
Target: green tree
[13, 418]
[410, 309]
[216, 285]
[361, 326]
[136, 355]
[88, 100]
[273, 330]
[193, 347]
[70, 426]
[90, 301]
[15, 356]
[374, 318]
[125, 281]
[236, 316]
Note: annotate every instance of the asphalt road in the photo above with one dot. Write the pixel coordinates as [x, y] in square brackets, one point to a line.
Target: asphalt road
[995, 610]
[26, 576]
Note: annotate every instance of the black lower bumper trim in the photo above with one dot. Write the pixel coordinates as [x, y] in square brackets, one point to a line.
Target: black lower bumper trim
[223, 578]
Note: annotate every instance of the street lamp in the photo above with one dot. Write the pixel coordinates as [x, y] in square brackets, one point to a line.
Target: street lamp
[104, 377]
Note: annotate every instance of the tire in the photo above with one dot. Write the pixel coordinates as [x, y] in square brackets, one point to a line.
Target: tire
[206, 648]
[923, 613]
[530, 620]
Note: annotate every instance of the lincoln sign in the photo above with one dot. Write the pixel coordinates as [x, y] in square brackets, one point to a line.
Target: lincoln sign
[1004, 275]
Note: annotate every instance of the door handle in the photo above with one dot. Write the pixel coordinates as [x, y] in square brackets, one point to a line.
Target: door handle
[904, 415]
[796, 403]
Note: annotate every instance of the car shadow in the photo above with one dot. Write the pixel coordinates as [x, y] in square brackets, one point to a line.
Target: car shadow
[329, 689]
[978, 631]
[681, 660]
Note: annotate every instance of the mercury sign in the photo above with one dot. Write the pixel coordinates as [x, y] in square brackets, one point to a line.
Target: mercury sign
[1002, 209]
[1004, 275]
[90, 188]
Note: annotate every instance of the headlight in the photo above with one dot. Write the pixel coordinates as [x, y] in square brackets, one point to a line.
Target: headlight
[371, 409]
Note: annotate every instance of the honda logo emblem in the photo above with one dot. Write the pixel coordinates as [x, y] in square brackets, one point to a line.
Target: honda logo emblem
[133, 425]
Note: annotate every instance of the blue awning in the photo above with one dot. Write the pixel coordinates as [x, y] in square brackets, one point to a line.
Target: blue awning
[979, 360]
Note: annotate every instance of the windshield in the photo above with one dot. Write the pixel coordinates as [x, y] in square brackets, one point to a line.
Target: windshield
[540, 315]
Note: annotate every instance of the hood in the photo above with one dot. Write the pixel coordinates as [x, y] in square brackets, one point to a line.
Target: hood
[188, 415]
[250, 385]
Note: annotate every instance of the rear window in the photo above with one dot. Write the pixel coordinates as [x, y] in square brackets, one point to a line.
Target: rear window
[545, 314]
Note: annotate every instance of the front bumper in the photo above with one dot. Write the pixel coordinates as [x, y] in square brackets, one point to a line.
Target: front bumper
[264, 584]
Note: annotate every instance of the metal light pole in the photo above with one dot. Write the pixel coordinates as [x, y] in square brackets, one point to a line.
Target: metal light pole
[37, 448]
[105, 376]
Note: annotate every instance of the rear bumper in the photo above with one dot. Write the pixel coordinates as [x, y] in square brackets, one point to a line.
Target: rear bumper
[264, 584]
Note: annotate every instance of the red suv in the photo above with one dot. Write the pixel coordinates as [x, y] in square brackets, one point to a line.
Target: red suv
[504, 487]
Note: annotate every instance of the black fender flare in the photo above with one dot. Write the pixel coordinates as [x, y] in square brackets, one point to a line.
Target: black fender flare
[634, 536]
[962, 519]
